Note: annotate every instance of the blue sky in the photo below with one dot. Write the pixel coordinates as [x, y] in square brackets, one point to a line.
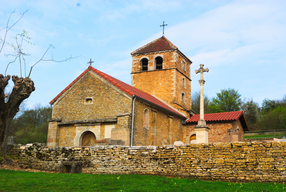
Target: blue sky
[243, 42]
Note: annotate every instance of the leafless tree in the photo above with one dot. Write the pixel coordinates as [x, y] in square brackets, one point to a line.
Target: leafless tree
[23, 85]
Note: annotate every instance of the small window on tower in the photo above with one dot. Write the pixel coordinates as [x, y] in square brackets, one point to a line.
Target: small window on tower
[183, 97]
[159, 63]
[184, 65]
[88, 100]
[144, 63]
[183, 83]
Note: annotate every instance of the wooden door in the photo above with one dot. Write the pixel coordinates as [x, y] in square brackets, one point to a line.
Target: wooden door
[88, 138]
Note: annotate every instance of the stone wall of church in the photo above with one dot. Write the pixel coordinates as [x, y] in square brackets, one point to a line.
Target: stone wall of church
[90, 94]
[230, 131]
[160, 128]
[237, 126]
[184, 88]
[66, 135]
[160, 83]
[257, 161]
[90, 99]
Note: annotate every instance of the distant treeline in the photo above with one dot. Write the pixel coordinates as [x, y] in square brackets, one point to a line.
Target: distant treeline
[31, 125]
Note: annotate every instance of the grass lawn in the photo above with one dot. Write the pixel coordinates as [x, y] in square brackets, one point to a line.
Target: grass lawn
[29, 181]
[264, 136]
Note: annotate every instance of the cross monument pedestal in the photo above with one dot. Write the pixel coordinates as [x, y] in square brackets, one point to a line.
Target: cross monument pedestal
[202, 129]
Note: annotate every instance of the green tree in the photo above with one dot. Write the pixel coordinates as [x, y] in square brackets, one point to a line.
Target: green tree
[250, 110]
[273, 114]
[196, 103]
[226, 100]
[274, 119]
[268, 105]
[31, 126]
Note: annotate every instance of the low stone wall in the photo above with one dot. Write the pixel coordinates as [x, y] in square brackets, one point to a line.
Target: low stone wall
[255, 161]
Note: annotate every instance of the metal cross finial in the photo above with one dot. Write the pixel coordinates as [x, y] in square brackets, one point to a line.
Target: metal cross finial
[90, 62]
[163, 26]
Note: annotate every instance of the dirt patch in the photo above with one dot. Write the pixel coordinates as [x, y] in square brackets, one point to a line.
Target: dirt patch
[13, 165]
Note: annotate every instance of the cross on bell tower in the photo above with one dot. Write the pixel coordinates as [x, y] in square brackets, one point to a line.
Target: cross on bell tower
[163, 26]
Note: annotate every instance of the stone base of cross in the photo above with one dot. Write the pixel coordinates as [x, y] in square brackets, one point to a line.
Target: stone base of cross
[202, 135]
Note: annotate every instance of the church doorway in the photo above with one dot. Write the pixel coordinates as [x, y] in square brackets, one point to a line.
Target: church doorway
[88, 138]
[193, 139]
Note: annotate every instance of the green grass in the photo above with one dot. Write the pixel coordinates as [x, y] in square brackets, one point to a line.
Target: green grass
[29, 181]
[266, 136]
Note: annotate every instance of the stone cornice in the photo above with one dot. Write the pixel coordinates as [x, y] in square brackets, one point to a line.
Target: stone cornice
[107, 120]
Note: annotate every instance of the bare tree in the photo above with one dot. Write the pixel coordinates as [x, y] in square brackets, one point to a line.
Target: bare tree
[23, 85]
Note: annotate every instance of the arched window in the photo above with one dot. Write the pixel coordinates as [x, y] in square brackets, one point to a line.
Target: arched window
[88, 138]
[144, 63]
[193, 139]
[183, 82]
[159, 62]
[146, 119]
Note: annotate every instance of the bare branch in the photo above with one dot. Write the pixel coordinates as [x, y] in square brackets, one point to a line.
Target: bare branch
[8, 28]
[58, 61]
[9, 64]
[20, 65]
[16, 38]
[24, 64]
[22, 15]
[41, 59]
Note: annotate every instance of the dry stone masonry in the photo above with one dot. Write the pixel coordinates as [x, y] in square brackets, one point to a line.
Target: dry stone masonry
[254, 161]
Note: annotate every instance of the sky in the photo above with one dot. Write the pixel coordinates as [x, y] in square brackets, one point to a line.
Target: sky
[241, 42]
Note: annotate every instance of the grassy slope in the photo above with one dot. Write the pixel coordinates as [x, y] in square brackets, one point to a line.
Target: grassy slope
[266, 136]
[29, 181]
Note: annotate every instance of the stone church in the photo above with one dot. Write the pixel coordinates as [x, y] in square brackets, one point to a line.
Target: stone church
[97, 109]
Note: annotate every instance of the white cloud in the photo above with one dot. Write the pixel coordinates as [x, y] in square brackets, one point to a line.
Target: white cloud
[232, 25]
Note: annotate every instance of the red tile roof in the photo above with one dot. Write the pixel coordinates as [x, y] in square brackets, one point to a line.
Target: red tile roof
[128, 89]
[160, 44]
[225, 116]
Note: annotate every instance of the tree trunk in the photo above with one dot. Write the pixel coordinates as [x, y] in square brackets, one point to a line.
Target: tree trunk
[23, 87]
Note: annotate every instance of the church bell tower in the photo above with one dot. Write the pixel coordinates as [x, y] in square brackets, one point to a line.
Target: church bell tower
[162, 70]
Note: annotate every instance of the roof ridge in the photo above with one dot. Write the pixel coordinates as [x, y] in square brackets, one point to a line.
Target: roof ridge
[145, 45]
[175, 47]
[171, 45]
[221, 116]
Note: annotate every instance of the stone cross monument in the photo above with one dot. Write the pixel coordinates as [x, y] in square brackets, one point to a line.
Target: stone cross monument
[201, 128]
